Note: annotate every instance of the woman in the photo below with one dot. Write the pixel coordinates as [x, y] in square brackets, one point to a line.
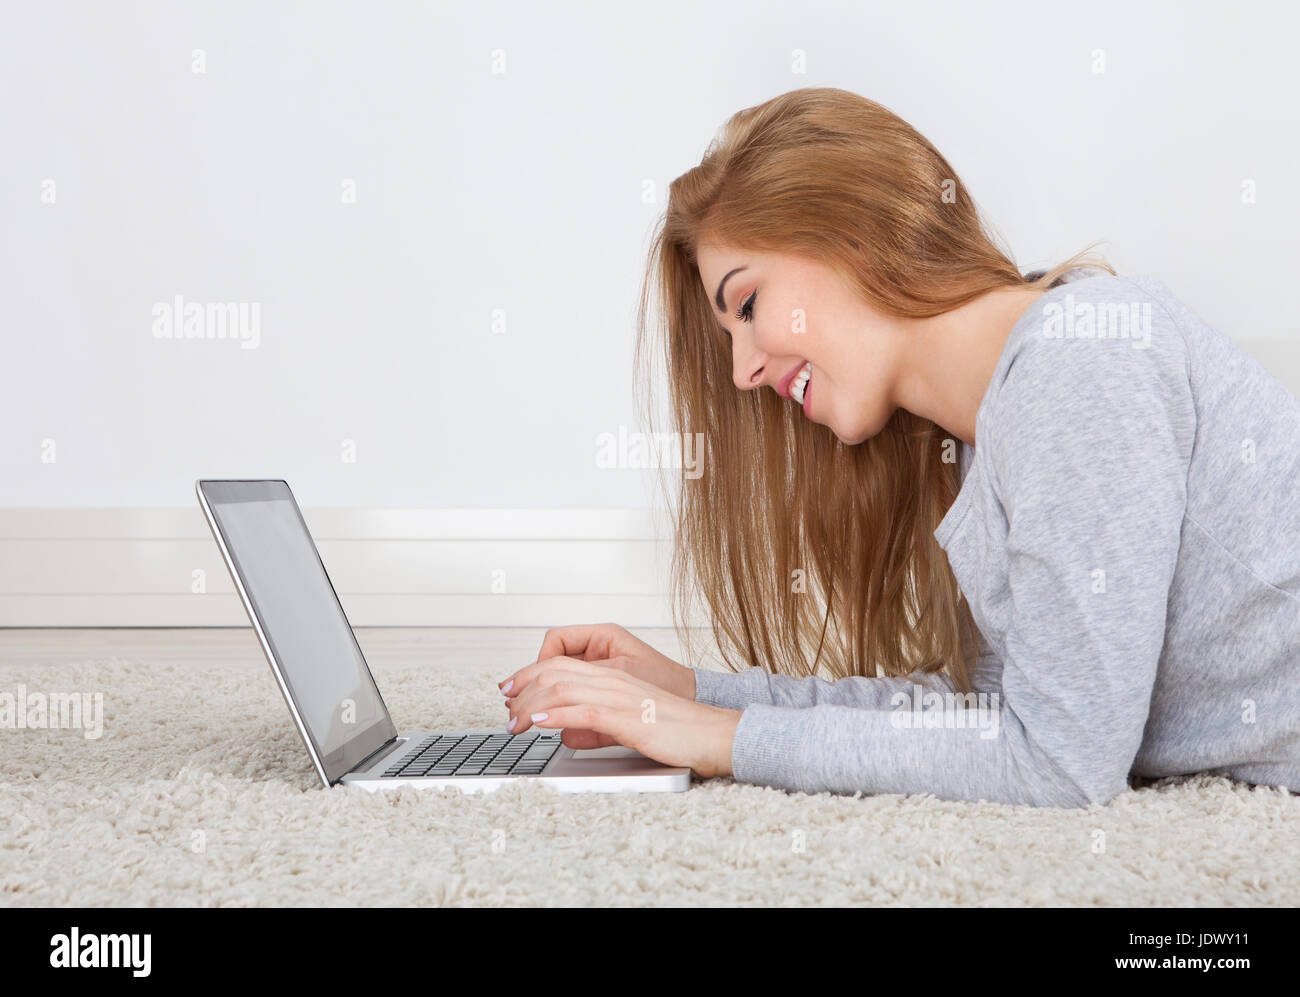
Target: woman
[1042, 533]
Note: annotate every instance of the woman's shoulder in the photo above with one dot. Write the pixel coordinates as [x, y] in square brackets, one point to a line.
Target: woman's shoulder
[1098, 332]
[1092, 361]
[1093, 376]
[1095, 305]
[1075, 326]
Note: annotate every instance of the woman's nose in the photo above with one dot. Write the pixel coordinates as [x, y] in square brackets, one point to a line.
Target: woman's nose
[747, 372]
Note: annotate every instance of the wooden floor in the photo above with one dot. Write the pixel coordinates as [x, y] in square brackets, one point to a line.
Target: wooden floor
[511, 647]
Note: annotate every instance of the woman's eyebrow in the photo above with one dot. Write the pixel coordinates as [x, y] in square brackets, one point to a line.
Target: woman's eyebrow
[722, 305]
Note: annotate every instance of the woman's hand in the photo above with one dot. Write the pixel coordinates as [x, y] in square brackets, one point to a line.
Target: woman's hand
[615, 648]
[598, 705]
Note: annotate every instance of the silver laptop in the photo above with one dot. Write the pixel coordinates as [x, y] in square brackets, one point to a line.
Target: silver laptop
[333, 697]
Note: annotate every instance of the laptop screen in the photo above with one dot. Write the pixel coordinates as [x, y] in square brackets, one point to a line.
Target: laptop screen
[300, 617]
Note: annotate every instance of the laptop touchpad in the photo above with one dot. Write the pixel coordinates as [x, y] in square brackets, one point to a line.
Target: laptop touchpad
[614, 751]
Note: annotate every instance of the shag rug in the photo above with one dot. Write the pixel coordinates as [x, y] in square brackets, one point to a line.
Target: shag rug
[199, 793]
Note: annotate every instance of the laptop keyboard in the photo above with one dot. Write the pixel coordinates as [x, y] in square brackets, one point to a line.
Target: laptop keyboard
[451, 755]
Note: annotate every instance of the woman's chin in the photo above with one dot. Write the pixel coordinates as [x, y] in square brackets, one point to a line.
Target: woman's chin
[857, 428]
[849, 437]
[858, 433]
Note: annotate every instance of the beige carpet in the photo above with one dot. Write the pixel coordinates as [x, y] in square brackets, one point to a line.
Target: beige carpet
[200, 793]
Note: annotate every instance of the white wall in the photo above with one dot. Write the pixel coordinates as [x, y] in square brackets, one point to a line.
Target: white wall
[522, 191]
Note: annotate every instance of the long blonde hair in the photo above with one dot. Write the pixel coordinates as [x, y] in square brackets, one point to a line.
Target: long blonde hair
[813, 556]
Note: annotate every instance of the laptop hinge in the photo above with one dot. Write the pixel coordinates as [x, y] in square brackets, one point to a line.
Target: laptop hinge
[389, 745]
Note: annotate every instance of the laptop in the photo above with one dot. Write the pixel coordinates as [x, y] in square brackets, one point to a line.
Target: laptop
[332, 696]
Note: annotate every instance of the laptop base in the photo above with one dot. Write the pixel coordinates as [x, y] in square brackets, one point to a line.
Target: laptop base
[599, 770]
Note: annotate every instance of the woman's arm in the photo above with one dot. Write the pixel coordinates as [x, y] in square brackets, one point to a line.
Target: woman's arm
[736, 691]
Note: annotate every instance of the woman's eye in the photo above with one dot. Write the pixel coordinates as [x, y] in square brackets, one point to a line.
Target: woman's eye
[746, 311]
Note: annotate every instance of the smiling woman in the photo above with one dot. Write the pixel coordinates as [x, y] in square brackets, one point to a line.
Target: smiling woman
[1035, 550]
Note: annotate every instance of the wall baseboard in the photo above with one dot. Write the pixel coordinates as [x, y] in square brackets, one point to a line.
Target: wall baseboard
[390, 567]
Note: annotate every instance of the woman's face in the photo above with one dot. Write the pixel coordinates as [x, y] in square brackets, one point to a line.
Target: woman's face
[783, 312]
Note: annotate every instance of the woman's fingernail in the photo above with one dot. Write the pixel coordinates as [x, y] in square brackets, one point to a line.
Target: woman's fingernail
[506, 687]
[539, 717]
[511, 724]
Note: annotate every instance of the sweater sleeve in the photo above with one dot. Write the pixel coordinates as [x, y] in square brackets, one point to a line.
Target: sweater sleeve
[1090, 442]
[756, 685]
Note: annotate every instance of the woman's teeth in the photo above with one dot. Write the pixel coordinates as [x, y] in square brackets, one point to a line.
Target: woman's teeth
[800, 382]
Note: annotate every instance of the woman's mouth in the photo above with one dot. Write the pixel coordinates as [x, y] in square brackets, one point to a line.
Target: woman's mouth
[799, 386]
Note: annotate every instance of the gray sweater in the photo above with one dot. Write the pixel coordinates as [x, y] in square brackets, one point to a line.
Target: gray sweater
[1127, 534]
